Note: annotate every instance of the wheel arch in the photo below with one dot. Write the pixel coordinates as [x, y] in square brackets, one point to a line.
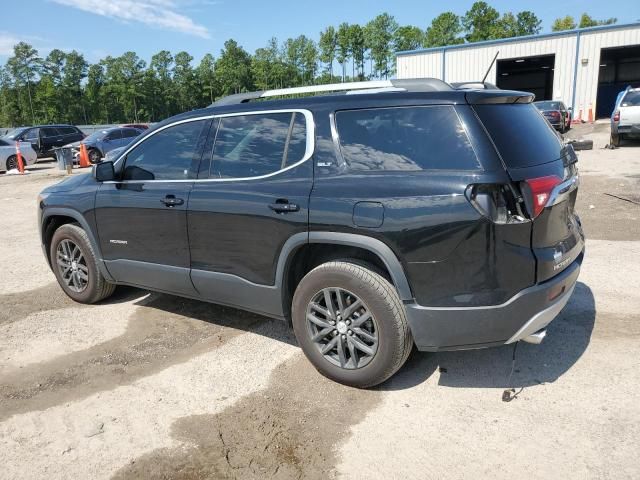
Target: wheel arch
[54, 218]
[376, 253]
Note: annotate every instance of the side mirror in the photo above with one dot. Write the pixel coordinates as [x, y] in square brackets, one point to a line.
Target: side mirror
[570, 109]
[104, 172]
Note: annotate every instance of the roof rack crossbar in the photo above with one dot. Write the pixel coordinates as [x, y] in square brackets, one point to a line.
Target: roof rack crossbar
[418, 85]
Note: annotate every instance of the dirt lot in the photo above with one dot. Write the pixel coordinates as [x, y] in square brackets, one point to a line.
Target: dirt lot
[150, 385]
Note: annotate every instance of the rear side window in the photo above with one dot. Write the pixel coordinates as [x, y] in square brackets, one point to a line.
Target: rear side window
[49, 132]
[521, 134]
[254, 145]
[405, 138]
[130, 133]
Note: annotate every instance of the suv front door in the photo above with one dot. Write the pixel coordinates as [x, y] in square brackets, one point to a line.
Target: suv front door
[141, 218]
[251, 196]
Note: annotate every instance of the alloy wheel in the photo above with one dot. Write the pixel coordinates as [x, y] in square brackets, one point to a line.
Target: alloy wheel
[72, 266]
[342, 328]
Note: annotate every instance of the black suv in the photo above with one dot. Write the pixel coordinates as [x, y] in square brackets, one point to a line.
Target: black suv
[45, 138]
[395, 213]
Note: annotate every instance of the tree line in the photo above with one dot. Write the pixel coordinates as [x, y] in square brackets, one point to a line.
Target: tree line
[64, 88]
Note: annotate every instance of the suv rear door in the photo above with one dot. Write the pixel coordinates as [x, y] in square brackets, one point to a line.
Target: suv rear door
[546, 174]
[251, 196]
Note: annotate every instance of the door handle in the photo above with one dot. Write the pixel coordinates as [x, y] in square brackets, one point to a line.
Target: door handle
[283, 206]
[172, 201]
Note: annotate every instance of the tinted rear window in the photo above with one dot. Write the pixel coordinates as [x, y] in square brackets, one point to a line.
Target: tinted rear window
[405, 138]
[631, 99]
[521, 134]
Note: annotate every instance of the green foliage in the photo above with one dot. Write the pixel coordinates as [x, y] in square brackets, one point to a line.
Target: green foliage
[588, 21]
[564, 23]
[379, 35]
[408, 37]
[444, 30]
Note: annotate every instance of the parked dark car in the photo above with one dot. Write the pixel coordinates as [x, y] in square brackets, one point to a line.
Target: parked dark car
[410, 213]
[100, 142]
[557, 113]
[45, 138]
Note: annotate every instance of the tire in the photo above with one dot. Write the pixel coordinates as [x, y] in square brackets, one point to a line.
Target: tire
[582, 144]
[12, 162]
[94, 155]
[615, 140]
[387, 322]
[92, 289]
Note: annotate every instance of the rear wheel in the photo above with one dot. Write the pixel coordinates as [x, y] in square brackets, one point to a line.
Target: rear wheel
[615, 140]
[75, 265]
[351, 324]
[94, 155]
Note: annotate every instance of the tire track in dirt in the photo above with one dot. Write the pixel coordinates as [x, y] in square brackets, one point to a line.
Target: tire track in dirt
[288, 430]
[165, 330]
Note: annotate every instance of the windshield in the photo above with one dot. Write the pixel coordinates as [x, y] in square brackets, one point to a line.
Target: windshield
[548, 105]
[15, 132]
[97, 135]
[631, 99]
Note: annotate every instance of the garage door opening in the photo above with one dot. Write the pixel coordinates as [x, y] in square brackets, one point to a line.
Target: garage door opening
[619, 68]
[529, 74]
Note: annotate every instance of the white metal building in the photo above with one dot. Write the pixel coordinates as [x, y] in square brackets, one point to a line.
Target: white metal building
[585, 68]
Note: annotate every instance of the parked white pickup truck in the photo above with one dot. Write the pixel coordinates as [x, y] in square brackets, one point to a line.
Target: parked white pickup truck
[625, 121]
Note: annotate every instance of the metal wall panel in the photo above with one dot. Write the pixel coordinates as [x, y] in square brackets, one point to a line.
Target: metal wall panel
[589, 62]
[470, 63]
[420, 65]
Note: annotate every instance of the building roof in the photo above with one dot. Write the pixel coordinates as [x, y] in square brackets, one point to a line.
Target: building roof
[539, 36]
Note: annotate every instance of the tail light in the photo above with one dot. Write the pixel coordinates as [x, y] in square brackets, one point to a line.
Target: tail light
[540, 191]
[616, 116]
[499, 203]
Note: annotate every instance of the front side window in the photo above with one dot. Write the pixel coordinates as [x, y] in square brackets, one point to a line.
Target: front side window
[260, 144]
[31, 135]
[170, 154]
[405, 139]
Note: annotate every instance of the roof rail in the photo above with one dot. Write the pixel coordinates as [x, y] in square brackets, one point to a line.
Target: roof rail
[411, 85]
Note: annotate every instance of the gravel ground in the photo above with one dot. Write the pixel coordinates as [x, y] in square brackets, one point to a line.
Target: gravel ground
[150, 385]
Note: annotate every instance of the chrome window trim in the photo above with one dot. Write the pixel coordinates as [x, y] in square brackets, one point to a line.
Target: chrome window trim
[310, 145]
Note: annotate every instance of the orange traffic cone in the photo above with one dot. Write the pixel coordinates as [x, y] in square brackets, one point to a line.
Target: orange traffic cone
[591, 113]
[19, 156]
[84, 156]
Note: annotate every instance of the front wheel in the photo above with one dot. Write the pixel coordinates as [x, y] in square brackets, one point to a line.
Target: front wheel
[75, 266]
[12, 163]
[351, 324]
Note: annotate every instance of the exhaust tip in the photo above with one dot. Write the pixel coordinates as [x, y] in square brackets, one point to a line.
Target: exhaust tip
[536, 338]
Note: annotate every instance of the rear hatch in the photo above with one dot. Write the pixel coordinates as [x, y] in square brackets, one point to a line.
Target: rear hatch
[630, 108]
[544, 175]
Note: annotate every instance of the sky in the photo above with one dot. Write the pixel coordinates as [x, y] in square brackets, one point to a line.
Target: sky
[98, 28]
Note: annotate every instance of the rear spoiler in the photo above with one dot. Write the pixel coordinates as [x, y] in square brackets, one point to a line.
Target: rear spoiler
[480, 97]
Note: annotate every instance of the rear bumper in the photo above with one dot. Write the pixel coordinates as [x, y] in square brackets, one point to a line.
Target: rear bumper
[529, 311]
[631, 129]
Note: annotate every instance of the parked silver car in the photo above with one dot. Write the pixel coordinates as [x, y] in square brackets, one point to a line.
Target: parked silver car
[9, 159]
